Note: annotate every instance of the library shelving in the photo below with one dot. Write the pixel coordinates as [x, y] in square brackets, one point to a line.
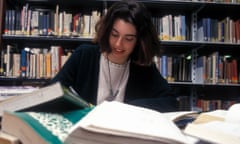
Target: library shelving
[200, 40]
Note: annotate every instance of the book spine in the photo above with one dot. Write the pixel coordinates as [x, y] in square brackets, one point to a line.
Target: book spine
[35, 23]
[6, 27]
[23, 62]
[183, 27]
[18, 23]
[164, 66]
[16, 65]
[8, 61]
[48, 66]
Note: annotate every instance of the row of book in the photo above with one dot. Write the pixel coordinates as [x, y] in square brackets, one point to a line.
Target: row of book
[33, 62]
[213, 68]
[220, 1]
[173, 27]
[210, 105]
[46, 62]
[174, 68]
[37, 22]
[214, 30]
[217, 69]
[204, 105]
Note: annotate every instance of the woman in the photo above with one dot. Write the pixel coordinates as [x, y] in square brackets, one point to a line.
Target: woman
[118, 66]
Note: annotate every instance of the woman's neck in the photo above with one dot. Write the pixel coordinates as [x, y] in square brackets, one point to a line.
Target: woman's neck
[115, 60]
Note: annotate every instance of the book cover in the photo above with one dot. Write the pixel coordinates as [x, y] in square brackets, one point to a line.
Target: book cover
[8, 139]
[40, 127]
[52, 98]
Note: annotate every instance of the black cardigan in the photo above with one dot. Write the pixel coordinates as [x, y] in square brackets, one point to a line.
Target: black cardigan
[81, 71]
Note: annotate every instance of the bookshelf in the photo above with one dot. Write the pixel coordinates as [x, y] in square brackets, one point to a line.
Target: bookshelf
[177, 46]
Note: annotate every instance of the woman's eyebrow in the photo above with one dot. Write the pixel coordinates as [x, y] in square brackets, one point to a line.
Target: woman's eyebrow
[115, 30]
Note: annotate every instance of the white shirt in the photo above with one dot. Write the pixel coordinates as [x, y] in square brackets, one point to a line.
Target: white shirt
[118, 75]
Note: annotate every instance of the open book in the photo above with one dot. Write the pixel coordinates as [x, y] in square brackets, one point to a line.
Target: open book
[118, 123]
[52, 98]
[219, 126]
[107, 123]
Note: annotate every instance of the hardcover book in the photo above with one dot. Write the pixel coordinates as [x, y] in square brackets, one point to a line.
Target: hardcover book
[41, 127]
[52, 98]
[8, 139]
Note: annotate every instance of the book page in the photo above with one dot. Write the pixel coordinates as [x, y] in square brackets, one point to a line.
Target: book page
[216, 115]
[127, 120]
[174, 116]
[225, 127]
[233, 115]
[215, 131]
[230, 115]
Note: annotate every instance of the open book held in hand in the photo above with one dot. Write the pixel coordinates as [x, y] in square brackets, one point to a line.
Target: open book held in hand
[218, 126]
[52, 98]
[119, 123]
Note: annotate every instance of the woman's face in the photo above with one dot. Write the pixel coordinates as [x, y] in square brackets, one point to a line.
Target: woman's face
[122, 40]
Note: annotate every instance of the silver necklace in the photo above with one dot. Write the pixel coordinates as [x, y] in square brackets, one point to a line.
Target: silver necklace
[112, 93]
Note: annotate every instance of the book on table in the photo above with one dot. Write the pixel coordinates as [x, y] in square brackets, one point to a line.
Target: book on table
[117, 123]
[218, 126]
[21, 117]
[107, 123]
[54, 98]
[51, 98]
[40, 127]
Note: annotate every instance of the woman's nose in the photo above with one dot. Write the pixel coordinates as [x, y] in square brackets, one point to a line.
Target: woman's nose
[119, 41]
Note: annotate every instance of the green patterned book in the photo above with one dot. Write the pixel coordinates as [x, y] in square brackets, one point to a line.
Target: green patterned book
[41, 127]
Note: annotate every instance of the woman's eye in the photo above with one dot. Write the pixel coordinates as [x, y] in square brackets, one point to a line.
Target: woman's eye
[129, 39]
[114, 35]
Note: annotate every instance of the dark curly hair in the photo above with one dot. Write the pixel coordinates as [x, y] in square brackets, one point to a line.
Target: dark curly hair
[148, 43]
